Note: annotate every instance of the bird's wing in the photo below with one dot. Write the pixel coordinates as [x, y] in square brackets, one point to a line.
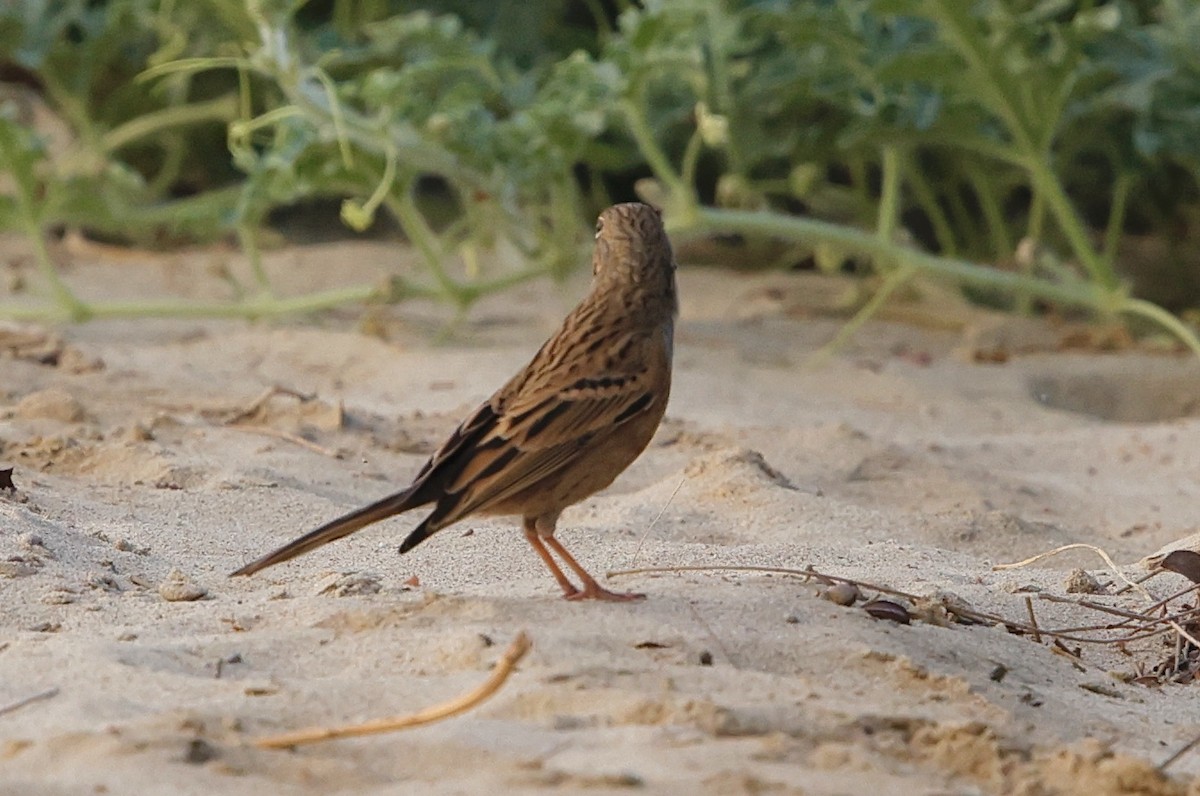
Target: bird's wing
[532, 432]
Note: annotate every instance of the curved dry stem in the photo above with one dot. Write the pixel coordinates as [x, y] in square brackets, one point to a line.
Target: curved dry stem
[504, 667]
[1079, 546]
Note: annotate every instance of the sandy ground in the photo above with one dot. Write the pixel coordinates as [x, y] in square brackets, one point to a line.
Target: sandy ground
[145, 472]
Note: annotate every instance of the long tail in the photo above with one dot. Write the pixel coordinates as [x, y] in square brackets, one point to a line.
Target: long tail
[331, 531]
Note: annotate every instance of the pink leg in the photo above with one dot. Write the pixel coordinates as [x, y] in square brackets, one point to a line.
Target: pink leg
[535, 540]
[591, 589]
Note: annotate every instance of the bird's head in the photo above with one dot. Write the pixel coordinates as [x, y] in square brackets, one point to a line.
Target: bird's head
[633, 251]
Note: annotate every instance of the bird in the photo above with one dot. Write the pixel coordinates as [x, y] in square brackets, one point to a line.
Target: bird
[566, 425]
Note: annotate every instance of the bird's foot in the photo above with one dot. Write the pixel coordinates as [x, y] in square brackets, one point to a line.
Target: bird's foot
[594, 591]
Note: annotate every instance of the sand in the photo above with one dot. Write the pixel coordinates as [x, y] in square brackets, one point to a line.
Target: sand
[146, 469]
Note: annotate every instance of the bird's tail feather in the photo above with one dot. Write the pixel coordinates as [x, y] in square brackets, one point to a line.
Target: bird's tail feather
[342, 526]
[419, 534]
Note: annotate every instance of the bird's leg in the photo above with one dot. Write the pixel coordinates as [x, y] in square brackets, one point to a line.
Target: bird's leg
[591, 589]
[535, 541]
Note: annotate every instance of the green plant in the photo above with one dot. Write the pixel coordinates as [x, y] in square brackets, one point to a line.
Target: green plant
[976, 124]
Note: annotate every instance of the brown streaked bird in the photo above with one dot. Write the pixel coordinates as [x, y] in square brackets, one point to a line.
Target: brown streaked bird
[567, 424]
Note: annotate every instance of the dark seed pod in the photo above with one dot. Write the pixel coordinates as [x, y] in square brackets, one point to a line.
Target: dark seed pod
[886, 609]
[1184, 562]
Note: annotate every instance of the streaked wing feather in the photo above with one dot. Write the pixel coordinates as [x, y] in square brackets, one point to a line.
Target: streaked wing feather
[533, 427]
[536, 449]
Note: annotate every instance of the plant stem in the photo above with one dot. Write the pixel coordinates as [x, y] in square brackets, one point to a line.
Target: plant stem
[931, 207]
[424, 238]
[895, 279]
[1145, 309]
[221, 109]
[993, 216]
[253, 307]
[889, 195]
[1046, 183]
[1091, 295]
[682, 196]
[1116, 217]
[21, 166]
[710, 220]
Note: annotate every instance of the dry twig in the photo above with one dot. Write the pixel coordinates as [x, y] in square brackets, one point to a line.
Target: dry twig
[504, 667]
[296, 439]
[20, 703]
[1078, 546]
[1135, 626]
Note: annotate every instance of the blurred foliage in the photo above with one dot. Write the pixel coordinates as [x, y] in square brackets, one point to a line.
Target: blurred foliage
[972, 124]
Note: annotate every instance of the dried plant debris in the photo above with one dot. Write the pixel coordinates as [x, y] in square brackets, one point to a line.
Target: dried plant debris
[31, 344]
[1183, 562]
[1160, 638]
[889, 610]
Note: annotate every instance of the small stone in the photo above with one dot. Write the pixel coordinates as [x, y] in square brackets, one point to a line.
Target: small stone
[260, 689]
[178, 587]
[347, 584]
[199, 751]
[126, 546]
[844, 594]
[52, 404]
[135, 433]
[72, 360]
[58, 597]
[31, 542]
[1080, 581]
[19, 567]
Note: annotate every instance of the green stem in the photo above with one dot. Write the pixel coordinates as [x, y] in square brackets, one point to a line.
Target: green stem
[339, 119]
[247, 232]
[682, 195]
[1023, 302]
[417, 230]
[964, 223]
[709, 221]
[993, 216]
[1079, 294]
[890, 284]
[1116, 218]
[691, 158]
[954, 21]
[253, 307]
[20, 164]
[1047, 184]
[221, 109]
[720, 83]
[73, 308]
[889, 195]
[359, 217]
[1133, 306]
[932, 208]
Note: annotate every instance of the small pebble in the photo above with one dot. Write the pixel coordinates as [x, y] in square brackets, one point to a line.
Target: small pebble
[348, 584]
[845, 594]
[49, 404]
[31, 542]
[1080, 581]
[178, 587]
